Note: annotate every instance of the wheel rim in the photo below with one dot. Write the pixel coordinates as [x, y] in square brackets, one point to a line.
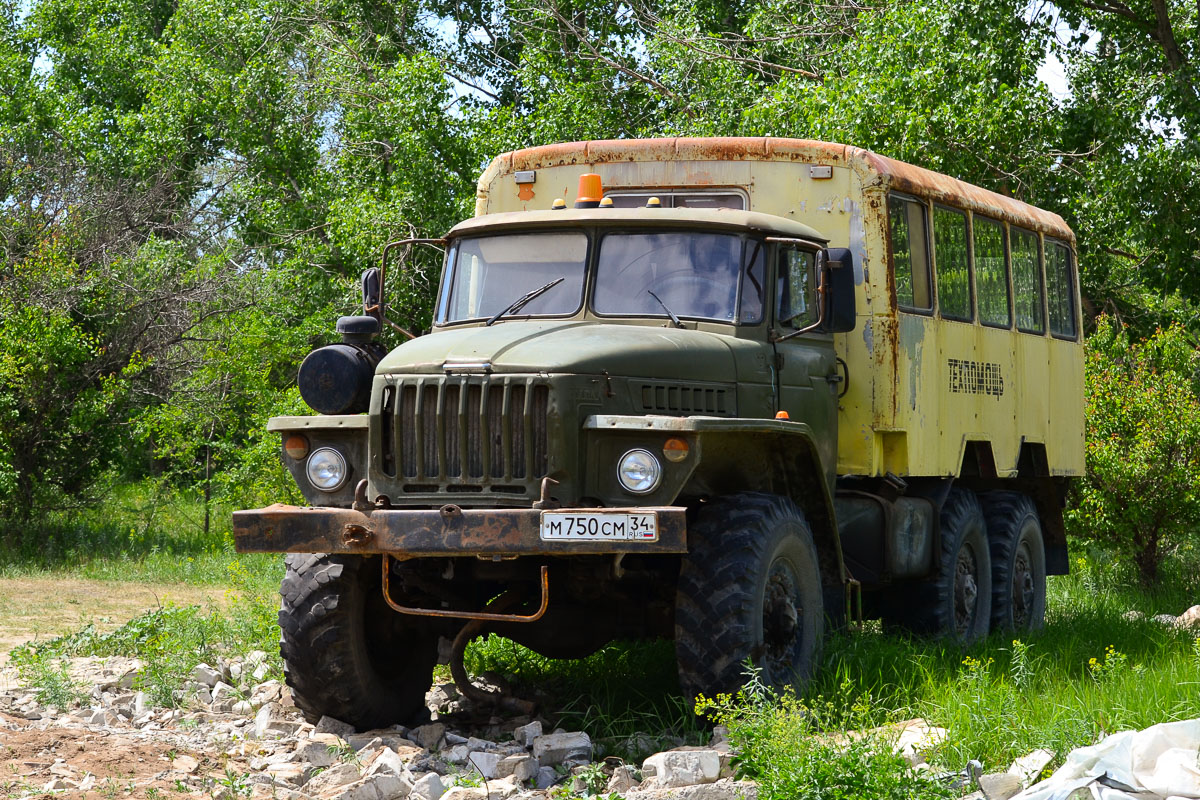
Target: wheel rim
[1022, 586]
[782, 623]
[966, 591]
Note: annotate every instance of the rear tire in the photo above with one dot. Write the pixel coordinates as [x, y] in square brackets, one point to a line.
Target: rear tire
[957, 602]
[346, 654]
[1018, 562]
[749, 589]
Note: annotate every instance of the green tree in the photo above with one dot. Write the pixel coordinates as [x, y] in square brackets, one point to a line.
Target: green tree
[1141, 495]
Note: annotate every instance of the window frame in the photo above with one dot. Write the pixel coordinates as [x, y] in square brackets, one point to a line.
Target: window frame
[777, 278]
[924, 204]
[450, 270]
[1072, 288]
[1040, 272]
[966, 215]
[1008, 284]
[597, 236]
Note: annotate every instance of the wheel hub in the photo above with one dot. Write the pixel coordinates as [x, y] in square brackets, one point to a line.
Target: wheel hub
[966, 591]
[782, 620]
[1022, 587]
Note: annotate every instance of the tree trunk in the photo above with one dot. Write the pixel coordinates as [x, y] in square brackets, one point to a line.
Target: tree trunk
[1146, 557]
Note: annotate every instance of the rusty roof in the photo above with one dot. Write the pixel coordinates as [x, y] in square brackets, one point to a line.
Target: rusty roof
[893, 174]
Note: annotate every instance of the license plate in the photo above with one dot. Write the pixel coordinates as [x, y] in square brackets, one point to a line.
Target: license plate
[615, 526]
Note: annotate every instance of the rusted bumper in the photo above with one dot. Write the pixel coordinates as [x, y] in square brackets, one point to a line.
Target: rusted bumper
[450, 531]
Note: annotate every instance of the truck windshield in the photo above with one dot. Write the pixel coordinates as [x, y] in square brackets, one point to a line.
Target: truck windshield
[489, 272]
[693, 274]
[665, 274]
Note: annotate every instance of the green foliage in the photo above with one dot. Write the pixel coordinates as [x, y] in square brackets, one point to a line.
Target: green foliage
[1143, 442]
[794, 748]
[51, 681]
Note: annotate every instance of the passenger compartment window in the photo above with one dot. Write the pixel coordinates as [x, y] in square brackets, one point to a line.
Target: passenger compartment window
[1027, 280]
[991, 275]
[910, 253]
[950, 259]
[1060, 289]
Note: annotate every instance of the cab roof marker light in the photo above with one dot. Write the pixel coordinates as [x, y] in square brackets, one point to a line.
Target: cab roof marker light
[606, 202]
[654, 202]
[590, 191]
[559, 204]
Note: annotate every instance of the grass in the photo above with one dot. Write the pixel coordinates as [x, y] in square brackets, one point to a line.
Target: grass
[143, 533]
[1090, 671]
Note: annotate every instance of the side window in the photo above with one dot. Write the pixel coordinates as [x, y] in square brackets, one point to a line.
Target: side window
[910, 255]
[796, 289]
[991, 275]
[750, 305]
[1027, 280]
[1060, 289]
[950, 256]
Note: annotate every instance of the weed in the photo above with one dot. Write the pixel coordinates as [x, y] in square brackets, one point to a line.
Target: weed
[153, 794]
[345, 753]
[235, 785]
[592, 778]
[792, 748]
[50, 680]
[1020, 671]
[1112, 668]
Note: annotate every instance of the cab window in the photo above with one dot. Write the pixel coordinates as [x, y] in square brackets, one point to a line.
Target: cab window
[910, 255]
[796, 288]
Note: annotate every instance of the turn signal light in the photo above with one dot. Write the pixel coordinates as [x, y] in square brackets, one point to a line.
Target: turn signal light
[590, 191]
[675, 450]
[296, 446]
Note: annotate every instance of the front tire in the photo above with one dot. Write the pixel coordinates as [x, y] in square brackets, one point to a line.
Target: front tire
[346, 654]
[749, 590]
[1018, 562]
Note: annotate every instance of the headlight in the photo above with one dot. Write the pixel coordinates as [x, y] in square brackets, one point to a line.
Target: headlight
[326, 469]
[639, 472]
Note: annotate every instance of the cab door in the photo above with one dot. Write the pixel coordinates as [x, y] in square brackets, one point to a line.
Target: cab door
[806, 383]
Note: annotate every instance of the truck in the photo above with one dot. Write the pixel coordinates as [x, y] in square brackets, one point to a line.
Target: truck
[730, 392]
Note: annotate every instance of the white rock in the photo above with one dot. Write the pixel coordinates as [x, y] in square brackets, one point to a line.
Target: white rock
[1166, 619]
[328, 724]
[523, 767]
[1189, 619]
[389, 761]
[475, 745]
[185, 764]
[622, 780]
[428, 787]
[260, 672]
[684, 768]
[546, 778]
[242, 707]
[428, 736]
[269, 722]
[332, 778]
[555, 748]
[1029, 766]
[205, 675]
[721, 790]
[527, 733]
[315, 753]
[486, 763]
[466, 793]
[373, 787]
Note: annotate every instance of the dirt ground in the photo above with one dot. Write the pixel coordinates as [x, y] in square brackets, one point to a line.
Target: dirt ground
[123, 765]
[120, 765]
[42, 608]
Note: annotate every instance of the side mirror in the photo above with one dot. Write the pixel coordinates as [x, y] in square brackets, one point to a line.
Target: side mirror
[839, 312]
[371, 291]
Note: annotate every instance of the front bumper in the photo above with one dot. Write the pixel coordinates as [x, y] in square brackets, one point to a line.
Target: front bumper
[448, 531]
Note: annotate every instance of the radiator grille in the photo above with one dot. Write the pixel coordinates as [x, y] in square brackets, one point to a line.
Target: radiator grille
[467, 430]
[676, 399]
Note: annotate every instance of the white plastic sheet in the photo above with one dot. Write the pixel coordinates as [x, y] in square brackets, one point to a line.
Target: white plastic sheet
[1158, 763]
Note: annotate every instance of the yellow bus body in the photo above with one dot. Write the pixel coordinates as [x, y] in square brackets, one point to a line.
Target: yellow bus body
[927, 396]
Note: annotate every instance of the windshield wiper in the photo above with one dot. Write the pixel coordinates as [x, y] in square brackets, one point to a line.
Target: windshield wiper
[524, 300]
[670, 313]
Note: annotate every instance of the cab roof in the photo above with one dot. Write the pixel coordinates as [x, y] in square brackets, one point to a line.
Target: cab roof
[706, 218]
